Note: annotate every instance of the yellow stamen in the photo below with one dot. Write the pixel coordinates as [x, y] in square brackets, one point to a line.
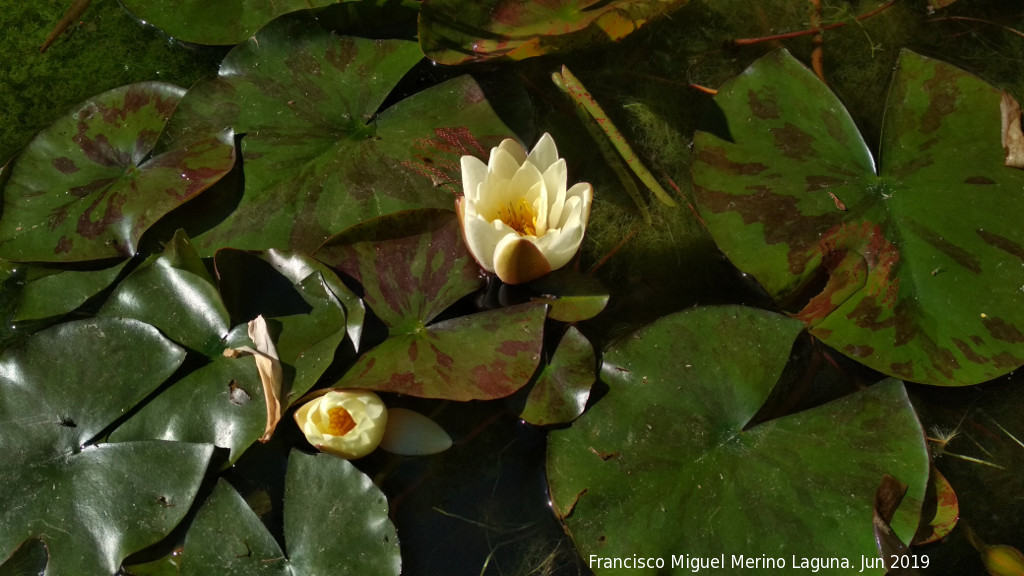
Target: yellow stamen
[519, 217]
[341, 421]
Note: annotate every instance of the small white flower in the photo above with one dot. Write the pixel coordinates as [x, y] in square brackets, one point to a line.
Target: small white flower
[519, 220]
[345, 423]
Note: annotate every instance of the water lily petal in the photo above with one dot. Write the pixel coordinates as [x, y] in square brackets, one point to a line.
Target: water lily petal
[474, 173]
[555, 180]
[561, 245]
[526, 184]
[410, 433]
[584, 192]
[544, 154]
[480, 235]
[514, 148]
[517, 260]
[502, 164]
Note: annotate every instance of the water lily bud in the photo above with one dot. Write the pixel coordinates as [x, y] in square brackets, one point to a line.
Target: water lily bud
[410, 433]
[345, 423]
[519, 220]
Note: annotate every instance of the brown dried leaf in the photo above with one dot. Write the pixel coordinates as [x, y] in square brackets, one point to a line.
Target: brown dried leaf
[1013, 137]
[269, 366]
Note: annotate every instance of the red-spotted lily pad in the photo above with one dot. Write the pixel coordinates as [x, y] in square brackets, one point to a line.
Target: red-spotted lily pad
[412, 267]
[318, 156]
[664, 464]
[947, 511]
[201, 22]
[916, 267]
[59, 390]
[88, 186]
[563, 387]
[454, 32]
[335, 522]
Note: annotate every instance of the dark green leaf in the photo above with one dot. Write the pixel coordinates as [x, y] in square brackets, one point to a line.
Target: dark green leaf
[223, 401]
[297, 266]
[563, 387]
[319, 157]
[335, 522]
[60, 292]
[201, 22]
[227, 538]
[886, 268]
[663, 464]
[86, 188]
[93, 505]
[175, 293]
[336, 519]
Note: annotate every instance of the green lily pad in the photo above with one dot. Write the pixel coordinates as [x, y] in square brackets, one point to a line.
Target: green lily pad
[59, 390]
[573, 297]
[222, 402]
[297, 266]
[57, 292]
[220, 23]
[413, 266]
[563, 387]
[663, 465]
[309, 318]
[335, 522]
[318, 155]
[88, 186]
[175, 293]
[886, 267]
[453, 32]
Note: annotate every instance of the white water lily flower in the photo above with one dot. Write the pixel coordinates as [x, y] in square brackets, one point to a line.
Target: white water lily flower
[345, 423]
[519, 220]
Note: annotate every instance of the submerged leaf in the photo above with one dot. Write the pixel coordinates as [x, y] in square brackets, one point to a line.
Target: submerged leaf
[453, 32]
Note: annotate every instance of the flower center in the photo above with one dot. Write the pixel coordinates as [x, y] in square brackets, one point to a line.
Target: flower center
[520, 217]
[340, 422]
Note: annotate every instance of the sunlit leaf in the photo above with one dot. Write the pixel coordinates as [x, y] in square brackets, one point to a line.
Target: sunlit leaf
[412, 266]
[563, 387]
[573, 297]
[886, 267]
[91, 505]
[88, 186]
[318, 156]
[453, 32]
